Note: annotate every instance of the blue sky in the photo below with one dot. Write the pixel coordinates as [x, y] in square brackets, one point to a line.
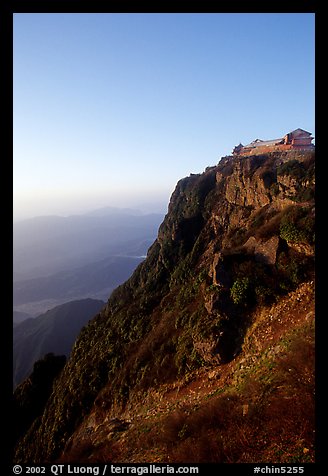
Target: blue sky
[113, 109]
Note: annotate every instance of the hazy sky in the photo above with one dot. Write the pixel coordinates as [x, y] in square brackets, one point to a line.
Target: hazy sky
[113, 109]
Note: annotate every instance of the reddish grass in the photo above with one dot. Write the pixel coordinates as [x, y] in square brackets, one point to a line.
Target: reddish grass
[276, 425]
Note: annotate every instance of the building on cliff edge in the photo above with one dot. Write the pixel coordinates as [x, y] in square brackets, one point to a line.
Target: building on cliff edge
[297, 139]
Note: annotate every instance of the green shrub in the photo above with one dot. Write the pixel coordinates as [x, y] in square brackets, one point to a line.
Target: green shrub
[290, 233]
[297, 226]
[293, 168]
[263, 293]
[240, 290]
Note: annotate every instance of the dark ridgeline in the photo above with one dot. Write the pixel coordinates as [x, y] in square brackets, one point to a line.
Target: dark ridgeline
[52, 332]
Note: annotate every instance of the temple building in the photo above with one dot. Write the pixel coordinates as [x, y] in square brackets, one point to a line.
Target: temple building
[297, 139]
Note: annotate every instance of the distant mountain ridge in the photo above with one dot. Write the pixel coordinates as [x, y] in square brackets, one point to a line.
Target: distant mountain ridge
[57, 259]
[46, 245]
[19, 316]
[52, 332]
[95, 280]
[105, 211]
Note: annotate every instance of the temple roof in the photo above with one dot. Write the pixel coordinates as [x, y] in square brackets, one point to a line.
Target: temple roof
[299, 131]
[264, 143]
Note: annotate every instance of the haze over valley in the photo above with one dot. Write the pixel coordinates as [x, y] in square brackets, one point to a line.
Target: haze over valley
[59, 259]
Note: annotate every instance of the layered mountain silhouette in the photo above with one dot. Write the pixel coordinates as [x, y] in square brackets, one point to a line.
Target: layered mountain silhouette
[52, 332]
[49, 244]
[57, 259]
[94, 280]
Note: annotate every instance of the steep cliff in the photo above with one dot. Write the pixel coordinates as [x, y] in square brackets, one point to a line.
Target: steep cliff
[237, 240]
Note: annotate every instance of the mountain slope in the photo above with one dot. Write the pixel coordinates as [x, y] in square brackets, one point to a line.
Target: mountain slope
[237, 240]
[52, 332]
[258, 407]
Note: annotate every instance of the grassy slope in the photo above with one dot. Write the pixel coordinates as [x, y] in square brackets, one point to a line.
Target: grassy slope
[229, 413]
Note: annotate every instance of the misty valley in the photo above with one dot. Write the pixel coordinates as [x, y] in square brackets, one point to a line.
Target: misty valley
[57, 259]
[65, 269]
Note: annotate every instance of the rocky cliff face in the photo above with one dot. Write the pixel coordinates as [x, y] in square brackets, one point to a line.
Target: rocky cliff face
[237, 239]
